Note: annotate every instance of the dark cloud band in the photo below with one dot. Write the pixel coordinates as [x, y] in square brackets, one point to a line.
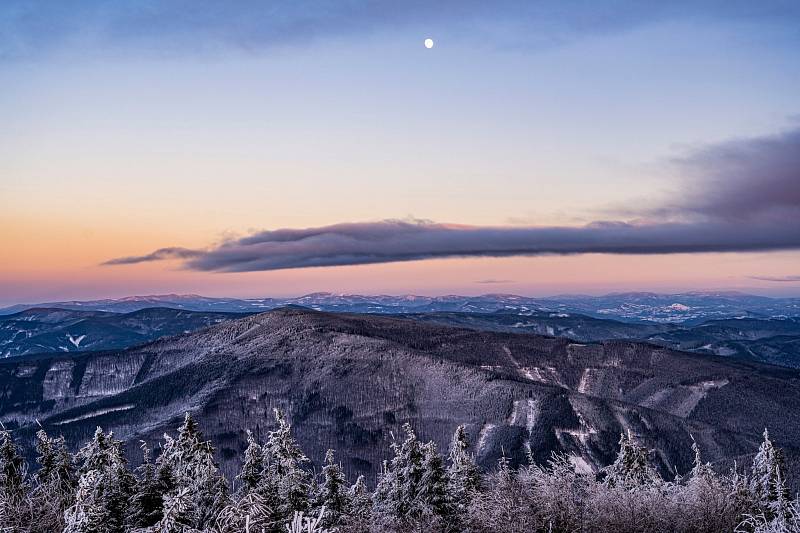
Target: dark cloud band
[746, 198]
[392, 241]
[784, 279]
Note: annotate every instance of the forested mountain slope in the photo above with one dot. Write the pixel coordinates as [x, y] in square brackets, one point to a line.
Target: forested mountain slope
[349, 382]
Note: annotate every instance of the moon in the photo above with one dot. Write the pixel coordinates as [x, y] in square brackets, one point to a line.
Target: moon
[429, 43]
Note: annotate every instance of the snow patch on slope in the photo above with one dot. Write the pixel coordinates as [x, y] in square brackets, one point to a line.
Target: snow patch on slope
[96, 413]
[76, 341]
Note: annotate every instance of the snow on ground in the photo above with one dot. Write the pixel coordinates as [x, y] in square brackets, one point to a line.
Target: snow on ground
[483, 437]
[76, 340]
[96, 413]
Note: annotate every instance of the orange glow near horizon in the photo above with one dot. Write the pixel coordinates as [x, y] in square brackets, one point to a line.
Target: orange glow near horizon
[48, 261]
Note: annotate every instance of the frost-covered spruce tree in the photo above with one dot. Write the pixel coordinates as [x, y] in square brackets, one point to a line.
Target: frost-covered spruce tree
[395, 499]
[88, 514]
[146, 505]
[252, 466]
[360, 505]
[13, 484]
[632, 468]
[333, 492]
[433, 498]
[53, 491]
[55, 462]
[768, 465]
[104, 488]
[13, 470]
[463, 475]
[194, 474]
[285, 475]
[180, 512]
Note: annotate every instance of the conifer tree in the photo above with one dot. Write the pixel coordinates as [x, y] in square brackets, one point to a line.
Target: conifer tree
[768, 466]
[396, 496]
[104, 488]
[194, 474]
[55, 463]
[333, 494]
[285, 470]
[146, 506]
[360, 502]
[252, 466]
[433, 499]
[88, 513]
[13, 470]
[463, 474]
[631, 469]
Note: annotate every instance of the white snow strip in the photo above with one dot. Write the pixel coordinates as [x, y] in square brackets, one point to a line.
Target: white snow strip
[76, 340]
[484, 435]
[96, 413]
[580, 464]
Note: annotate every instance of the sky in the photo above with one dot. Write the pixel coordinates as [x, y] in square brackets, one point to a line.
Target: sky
[262, 148]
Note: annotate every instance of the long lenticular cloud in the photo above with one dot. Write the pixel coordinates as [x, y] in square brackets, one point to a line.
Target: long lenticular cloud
[745, 197]
[391, 241]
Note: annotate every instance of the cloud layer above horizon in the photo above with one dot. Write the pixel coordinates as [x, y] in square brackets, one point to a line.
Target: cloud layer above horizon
[745, 196]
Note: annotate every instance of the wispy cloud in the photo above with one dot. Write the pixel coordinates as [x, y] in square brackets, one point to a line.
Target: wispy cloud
[777, 278]
[494, 281]
[174, 252]
[747, 198]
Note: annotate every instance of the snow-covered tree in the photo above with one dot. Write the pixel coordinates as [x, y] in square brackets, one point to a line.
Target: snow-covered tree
[104, 488]
[307, 524]
[463, 474]
[433, 498]
[89, 513]
[396, 495]
[360, 512]
[560, 493]
[768, 467]
[13, 469]
[146, 505]
[632, 468]
[413, 486]
[252, 466]
[285, 475]
[180, 513]
[716, 502]
[333, 492]
[248, 513]
[13, 484]
[55, 461]
[200, 491]
[504, 505]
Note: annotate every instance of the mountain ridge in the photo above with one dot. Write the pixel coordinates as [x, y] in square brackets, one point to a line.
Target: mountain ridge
[688, 307]
[348, 381]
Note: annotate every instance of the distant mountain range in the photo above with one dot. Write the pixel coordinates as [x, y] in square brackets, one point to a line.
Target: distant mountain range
[770, 340]
[689, 307]
[726, 324]
[349, 382]
[42, 330]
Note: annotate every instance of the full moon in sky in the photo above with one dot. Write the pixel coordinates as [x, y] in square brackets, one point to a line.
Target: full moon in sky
[429, 43]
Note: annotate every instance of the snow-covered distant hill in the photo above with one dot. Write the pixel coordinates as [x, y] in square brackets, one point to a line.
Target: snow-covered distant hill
[45, 330]
[689, 307]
